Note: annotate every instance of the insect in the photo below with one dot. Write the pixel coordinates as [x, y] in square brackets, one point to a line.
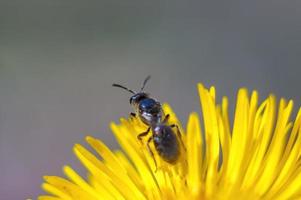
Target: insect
[150, 112]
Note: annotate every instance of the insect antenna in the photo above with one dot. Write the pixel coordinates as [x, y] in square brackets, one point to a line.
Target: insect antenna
[125, 88]
[144, 82]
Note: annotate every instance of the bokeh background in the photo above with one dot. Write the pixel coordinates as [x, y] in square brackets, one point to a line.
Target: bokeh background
[59, 58]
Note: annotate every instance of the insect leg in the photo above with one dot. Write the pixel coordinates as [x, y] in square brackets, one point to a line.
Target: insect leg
[132, 116]
[166, 119]
[151, 152]
[179, 134]
[143, 134]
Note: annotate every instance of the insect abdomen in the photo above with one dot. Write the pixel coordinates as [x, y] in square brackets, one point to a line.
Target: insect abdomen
[166, 144]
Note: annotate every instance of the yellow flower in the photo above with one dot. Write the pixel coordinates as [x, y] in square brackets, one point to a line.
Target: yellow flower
[259, 158]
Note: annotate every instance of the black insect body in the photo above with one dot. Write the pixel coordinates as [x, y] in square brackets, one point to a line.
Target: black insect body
[150, 113]
[148, 110]
[166, 143]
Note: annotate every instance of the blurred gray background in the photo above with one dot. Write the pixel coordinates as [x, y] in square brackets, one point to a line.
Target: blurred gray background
[59, 58]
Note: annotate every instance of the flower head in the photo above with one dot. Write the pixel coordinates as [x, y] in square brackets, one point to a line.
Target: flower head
[259, 158]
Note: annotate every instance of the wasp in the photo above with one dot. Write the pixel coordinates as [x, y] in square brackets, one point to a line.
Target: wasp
[150, 112]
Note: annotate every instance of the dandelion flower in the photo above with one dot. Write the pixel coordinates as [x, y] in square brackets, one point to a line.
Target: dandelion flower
[258, 158]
